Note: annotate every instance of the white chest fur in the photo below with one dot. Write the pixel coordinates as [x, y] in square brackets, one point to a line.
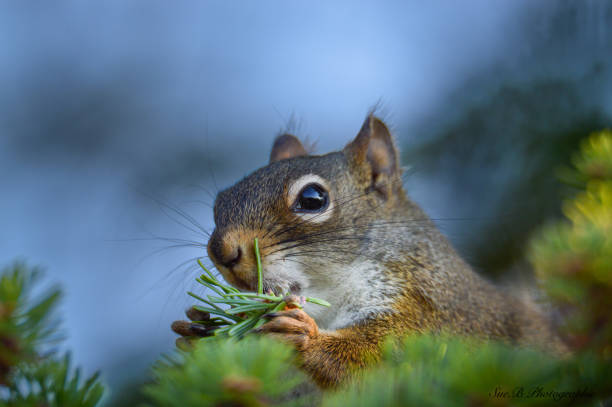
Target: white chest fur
[355, 292]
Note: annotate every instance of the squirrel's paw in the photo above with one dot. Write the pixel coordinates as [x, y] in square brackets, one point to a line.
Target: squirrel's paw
[190, 330]
[293, 325]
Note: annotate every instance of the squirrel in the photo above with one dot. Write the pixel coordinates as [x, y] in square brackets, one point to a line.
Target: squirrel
[340, 227]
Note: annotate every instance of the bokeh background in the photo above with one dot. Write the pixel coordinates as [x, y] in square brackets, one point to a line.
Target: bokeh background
[120, 120]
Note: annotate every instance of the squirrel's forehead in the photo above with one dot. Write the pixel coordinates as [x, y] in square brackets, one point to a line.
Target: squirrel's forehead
[277, 177]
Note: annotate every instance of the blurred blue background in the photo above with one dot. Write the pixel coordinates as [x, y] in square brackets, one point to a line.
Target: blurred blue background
[115, 115]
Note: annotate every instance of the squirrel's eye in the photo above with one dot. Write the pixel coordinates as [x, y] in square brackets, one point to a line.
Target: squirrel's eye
[312, 198]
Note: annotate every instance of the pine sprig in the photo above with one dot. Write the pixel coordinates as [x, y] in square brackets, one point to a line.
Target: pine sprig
[23, 326]
[235, 313]
[441, 370]
[53, 382]
[29, 375]
[254, 372]
[573, 257]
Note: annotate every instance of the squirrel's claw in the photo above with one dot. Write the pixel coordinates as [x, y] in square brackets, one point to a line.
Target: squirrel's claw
[189, 329]
[293, 325]
[197, 315]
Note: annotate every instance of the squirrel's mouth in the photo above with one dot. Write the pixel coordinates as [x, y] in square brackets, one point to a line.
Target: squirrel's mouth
[268, 286]
[282, 289]
[237, 281]
[245, 279]
[275, 287]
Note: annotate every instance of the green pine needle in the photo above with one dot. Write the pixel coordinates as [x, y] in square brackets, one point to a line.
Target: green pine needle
[259, 270]
[234, 313]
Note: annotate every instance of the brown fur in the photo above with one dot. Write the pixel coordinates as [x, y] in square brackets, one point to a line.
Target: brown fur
[286, 146]
[431, 288]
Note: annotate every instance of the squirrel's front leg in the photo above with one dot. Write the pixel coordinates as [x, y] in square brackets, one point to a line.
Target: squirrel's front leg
[328, 357]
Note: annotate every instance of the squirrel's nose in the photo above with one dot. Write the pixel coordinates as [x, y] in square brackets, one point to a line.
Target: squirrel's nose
[232, 258]
[223, 251]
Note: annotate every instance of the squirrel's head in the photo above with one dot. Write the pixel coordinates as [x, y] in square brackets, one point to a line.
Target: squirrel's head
[311, 214]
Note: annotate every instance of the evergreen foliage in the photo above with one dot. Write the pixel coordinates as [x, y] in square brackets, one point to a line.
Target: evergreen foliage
[444, 371]
[573, 258]
[250, 372]
[31, 375]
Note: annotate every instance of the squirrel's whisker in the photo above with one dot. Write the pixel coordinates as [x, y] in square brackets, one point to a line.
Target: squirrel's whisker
[345, 228]
[163, 239]
[320, 241]
[199, 201]
[335, 250]
[425, 223]
[206, 190]
[168, 209]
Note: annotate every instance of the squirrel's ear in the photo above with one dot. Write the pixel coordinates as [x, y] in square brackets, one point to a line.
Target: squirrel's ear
[286, 146]
[374, 149]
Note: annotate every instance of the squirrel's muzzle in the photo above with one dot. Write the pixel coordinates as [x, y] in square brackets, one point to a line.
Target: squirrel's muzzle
[233, 258]
[232, 253]
[226, 252]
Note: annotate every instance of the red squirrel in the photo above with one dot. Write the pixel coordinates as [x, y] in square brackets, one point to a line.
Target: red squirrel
[340, 227]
